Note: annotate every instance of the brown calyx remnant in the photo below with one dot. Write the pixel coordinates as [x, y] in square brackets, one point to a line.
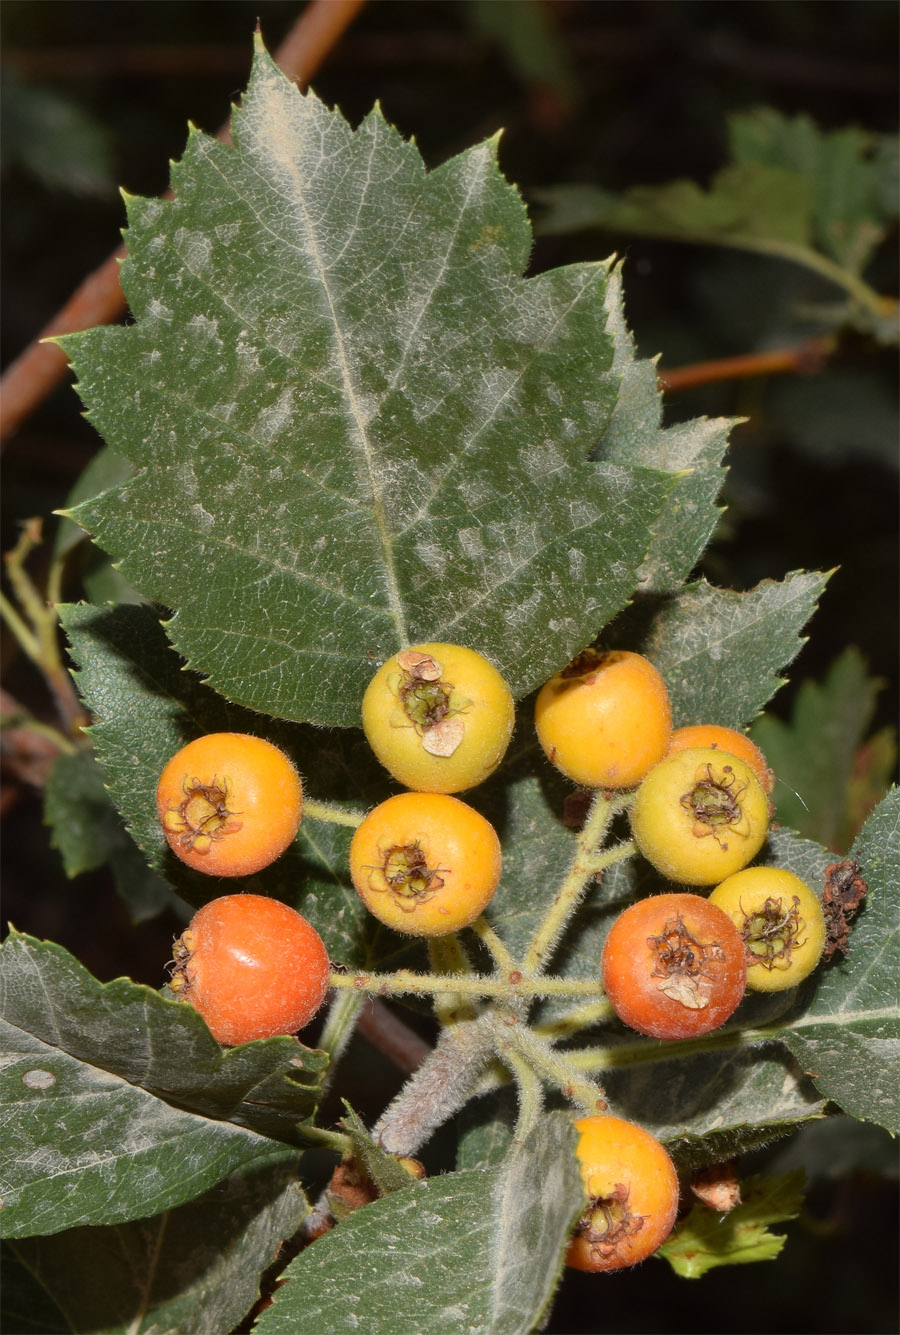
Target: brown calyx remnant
[717, 1186]
[771, 933]
[426, 701]
[182, 951]
[842, 898]
[714, 802]
[682, 962]
[608, 1222]
[588, 661]
[405, 874]
[203, 816]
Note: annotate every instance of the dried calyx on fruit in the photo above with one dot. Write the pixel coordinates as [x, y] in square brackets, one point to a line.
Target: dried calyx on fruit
[439, 717]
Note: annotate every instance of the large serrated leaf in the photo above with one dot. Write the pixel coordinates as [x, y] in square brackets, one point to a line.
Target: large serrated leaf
[473, 1251]
[120, 1103]
[217, 1245]
[691, 451]
[355, 424]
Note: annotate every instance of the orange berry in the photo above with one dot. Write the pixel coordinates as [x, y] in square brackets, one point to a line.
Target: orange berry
[229, 804]
[633, 1195]
[674, 966]
[719, 738]
[425, 863]
[605, 719]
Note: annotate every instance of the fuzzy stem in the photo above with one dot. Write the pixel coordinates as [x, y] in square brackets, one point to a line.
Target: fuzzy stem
[448, 959]
[440, 1087]
[423, 984]
[340, 1022]
[585, 864]
[531, 1094]
[553, 1066]
[582, 1017]
[502, 958]
[643, 1052]
[334, 815]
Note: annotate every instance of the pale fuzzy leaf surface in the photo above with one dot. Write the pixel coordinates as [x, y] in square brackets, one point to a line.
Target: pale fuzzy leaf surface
[705, 1239]
[88, 831]
[721, 653]
[119, 1103]
[146, 707]
[356, 426]
[691, 451]
[194, 1268]
[849, 1035]
[475, 1251]
[814, 754]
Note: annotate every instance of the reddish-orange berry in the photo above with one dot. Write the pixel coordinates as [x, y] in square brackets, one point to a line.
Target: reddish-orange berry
[674, 966]
[633, 1195]
[229, 804]
[605, 719]
[252, 967]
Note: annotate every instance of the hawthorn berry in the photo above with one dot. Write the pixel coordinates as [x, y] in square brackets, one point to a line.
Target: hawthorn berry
[700, 815]
[439, 717]
[632, 1192]
[252, 967]
[724, 739]
[229, 804]
[673, 966]
[425, 863]
[781, 922]
[604, 720]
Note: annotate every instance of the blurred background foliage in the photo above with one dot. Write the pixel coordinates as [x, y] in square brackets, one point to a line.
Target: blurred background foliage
[778, 121]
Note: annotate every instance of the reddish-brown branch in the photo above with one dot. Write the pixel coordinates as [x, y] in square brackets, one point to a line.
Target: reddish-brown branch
[98, 299]
[395, 1040]
[805, 358]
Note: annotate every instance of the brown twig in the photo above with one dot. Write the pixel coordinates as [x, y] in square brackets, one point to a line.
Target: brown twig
[99, 299]
[805, 357]
[393, 1039]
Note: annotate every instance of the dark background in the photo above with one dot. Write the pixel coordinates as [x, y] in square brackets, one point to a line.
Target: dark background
[813, 472]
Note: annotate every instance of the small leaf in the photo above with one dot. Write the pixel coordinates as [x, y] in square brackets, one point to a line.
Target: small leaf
[814, 754]
[333, 339]
[379, 1166]
[706, 1239]
[465, 1251]
[118, 1278]
[88, 831]
[124, 1104]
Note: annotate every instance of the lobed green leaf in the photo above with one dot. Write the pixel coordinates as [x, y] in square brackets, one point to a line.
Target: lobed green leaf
[119, 1103]
[355, 425]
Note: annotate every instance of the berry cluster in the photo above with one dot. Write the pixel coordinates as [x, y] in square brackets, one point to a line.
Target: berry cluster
[439, 717]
